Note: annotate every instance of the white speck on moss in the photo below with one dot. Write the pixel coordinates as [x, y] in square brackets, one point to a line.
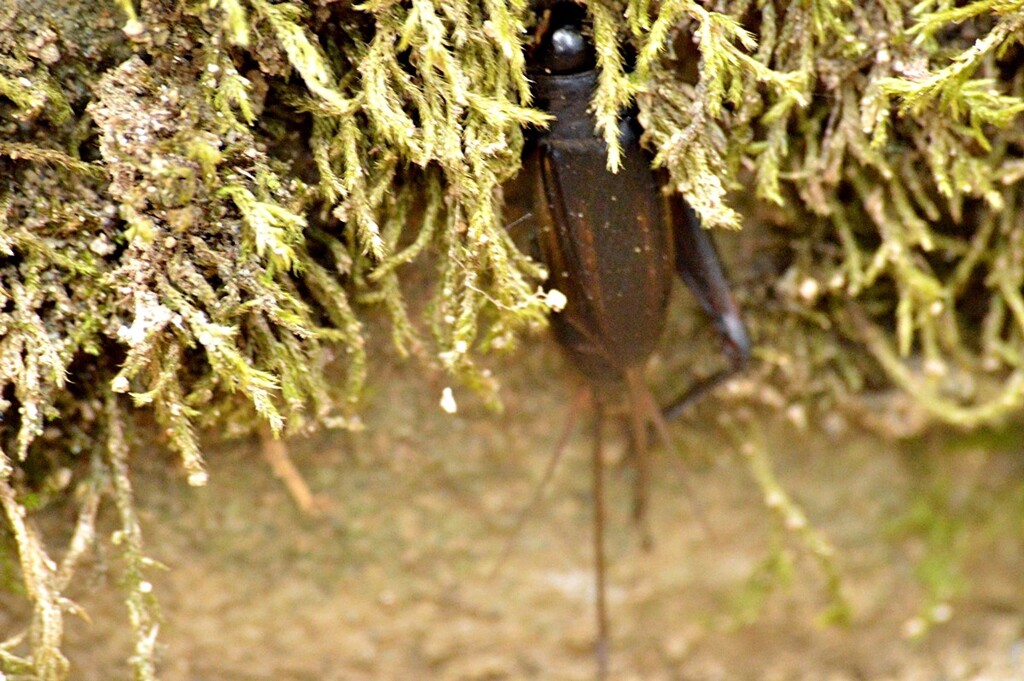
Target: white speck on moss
[555, 300]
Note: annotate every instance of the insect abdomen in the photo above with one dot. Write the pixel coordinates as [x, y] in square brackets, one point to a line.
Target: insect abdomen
[606, 239]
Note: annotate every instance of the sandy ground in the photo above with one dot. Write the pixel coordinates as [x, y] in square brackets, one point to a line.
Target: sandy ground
[397, 580]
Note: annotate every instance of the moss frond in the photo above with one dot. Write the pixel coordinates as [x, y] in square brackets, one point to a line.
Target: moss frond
[304, 53]
[615, 90]
[275, 229]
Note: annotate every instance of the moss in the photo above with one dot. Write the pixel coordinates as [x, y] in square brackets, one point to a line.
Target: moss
[199, 202]
[887, 151]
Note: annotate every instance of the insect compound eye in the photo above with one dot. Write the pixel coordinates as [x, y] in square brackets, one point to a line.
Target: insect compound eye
[570, 52]
[565, 49]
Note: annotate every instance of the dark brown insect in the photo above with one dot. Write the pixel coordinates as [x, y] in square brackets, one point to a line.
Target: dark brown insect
[612, 243]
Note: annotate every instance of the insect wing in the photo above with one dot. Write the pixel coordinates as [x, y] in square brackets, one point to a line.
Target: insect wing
[609, 250]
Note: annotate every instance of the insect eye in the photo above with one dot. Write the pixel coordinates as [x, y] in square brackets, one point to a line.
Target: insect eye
[567, 45]
[567, 51]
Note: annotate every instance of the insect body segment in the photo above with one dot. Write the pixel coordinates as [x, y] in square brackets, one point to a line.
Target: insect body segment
[603, 236]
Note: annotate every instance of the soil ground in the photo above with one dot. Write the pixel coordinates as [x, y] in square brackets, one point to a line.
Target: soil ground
[397, 580]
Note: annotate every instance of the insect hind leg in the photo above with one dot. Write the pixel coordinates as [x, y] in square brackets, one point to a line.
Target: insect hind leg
[698, 265]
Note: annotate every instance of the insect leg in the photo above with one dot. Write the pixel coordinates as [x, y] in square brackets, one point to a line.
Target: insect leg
[698, 265]
[578, 405]
[601, 649]
[639, 441]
